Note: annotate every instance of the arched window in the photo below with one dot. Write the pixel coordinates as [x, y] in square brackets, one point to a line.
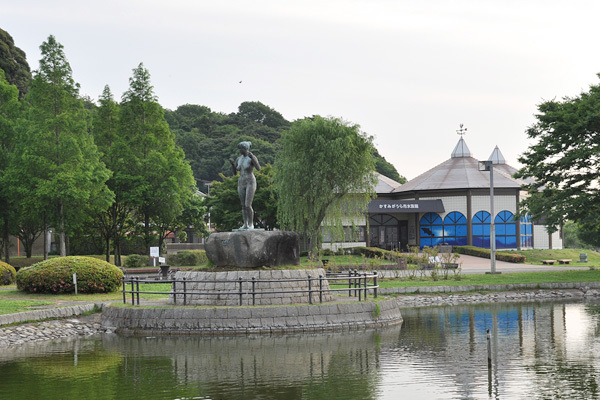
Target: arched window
[455, 229]
[506, 230]
[526, 231]
[431, 230]
[481, 229]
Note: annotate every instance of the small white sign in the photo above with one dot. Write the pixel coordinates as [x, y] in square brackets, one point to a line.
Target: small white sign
[161, 260]
[74, 279]
[154, 252]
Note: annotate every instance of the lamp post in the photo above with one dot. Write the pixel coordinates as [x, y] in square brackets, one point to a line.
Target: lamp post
[489, 166]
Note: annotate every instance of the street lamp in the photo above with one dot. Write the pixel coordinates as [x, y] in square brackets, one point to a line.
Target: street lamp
[489, 166]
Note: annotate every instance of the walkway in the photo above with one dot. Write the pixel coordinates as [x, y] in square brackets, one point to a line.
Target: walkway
[477, 265]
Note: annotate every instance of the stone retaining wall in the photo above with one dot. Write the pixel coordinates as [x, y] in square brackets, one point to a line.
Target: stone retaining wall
[293, 281]
[47, 313]
[303, 318]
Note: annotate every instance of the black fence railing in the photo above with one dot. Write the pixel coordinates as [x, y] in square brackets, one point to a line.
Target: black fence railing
[354, 283]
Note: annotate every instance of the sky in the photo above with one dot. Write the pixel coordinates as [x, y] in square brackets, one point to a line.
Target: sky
[408, 72]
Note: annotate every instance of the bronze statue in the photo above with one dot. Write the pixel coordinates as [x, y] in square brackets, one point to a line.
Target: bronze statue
[247, 182]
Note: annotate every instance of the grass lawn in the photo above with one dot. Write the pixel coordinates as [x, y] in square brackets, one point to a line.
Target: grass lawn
[15, 306]
[536, 256]
[501, 279]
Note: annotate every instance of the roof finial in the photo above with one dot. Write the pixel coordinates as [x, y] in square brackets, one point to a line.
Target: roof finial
[461, 131]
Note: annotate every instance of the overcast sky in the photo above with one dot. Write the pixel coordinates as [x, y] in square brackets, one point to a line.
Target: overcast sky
[408, 72]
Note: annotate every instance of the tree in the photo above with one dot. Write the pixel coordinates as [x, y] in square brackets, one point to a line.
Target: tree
[324, 174]
[564, 161]
[159, 179]
[58, 157]
[14, 63]
[386, 169]
[9, 111]
[224, 202]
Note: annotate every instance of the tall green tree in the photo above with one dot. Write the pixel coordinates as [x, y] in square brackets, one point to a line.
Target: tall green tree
[14, 63]
[57, 153]
[9, 111]
[562, 166]
[324, 174]
[159, 179]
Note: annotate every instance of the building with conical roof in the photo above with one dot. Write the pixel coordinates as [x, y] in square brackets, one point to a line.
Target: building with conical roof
[450, 204]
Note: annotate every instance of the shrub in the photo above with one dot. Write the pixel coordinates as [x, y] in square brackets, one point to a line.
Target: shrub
[55, 276]
[188, 258]
[486, 253]
[7, 274]
[136, 261]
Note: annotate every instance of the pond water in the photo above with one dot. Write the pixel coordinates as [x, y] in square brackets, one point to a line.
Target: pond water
[539, 351]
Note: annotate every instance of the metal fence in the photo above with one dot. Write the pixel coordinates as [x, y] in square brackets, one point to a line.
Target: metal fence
[354, 283]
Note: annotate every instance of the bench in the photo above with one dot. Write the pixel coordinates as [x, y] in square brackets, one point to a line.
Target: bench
[548, 262]
[564, 261]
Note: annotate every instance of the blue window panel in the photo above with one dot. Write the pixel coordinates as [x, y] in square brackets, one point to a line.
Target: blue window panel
[438, 230]
[504, 217]
[461, 230]
[449, 231]
[482, 241]
[457, 241]
[431, 219]
[511, 229]
[511, 242]
[425, 242]
[455, 218]
[482, 217]
[501, 242]
[500, 230]
[486, 230]
[436, 241]
[478, 230]
[426, 232]
[529, 228]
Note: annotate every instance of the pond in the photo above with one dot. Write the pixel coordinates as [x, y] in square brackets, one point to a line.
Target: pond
[539, 350]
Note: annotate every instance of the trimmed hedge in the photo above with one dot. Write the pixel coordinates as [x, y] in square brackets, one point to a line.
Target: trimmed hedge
[7, 274]
[486, 253]
[376, 252]
[137, 261]
[187, 258]
[55, 276]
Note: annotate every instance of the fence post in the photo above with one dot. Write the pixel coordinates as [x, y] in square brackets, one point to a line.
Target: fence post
[365, 282]
[124, 289]
[349, 283]
[375, 283]
[240, 279]
[138, 290]
[253, 291]
[356, 284]
[321, 289]
[184, 293]
[132, 291]
[309, 290]
[175, 291]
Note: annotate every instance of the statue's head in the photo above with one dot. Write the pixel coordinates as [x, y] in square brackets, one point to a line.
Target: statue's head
[244, 145]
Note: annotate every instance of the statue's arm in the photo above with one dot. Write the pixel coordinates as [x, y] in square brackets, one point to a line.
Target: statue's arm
[254, 161]
[233, 166]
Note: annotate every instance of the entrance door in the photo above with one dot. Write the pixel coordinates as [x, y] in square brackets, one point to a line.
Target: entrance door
[403, 232]
[383, 232]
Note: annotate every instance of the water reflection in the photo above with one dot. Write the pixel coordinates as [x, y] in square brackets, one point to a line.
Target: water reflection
[540, 350]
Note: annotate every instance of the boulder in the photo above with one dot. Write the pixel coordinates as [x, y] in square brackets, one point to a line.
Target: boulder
[253, 248]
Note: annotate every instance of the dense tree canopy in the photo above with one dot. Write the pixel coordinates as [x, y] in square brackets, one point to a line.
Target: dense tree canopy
[59, 161]
[564, 160]
[14, 63]
[324, 173]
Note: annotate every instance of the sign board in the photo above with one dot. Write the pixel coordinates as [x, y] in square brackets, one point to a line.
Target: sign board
[154, 252]
[74, 279]
[161, 260]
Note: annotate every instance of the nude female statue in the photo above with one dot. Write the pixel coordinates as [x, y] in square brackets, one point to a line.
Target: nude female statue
[247, 182]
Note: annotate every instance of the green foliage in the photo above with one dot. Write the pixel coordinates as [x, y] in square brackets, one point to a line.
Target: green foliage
[486, 253]
[563, 161]
[188, 258]
[225, 206]
[14, 63]
[58, 168]
[7, 274]
[324, 172]
[136, 261]
[55, 276]
[386, 169]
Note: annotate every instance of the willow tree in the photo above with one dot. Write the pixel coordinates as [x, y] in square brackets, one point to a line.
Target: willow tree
[324, 175]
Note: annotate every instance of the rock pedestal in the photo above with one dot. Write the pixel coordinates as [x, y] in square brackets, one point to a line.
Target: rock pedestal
[253, 248]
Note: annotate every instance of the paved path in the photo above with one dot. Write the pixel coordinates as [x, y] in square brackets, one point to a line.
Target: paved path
[477, 265]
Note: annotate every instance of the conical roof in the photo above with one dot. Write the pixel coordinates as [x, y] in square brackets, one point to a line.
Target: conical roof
[496, 157]
[461, 171]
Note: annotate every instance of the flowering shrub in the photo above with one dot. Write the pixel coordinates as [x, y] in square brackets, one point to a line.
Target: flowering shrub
[7, 274]
[56, 276]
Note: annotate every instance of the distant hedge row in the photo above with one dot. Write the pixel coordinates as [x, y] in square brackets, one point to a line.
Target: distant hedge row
[486, 253]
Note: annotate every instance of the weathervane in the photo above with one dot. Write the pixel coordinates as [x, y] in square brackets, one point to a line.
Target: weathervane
[461, 131]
